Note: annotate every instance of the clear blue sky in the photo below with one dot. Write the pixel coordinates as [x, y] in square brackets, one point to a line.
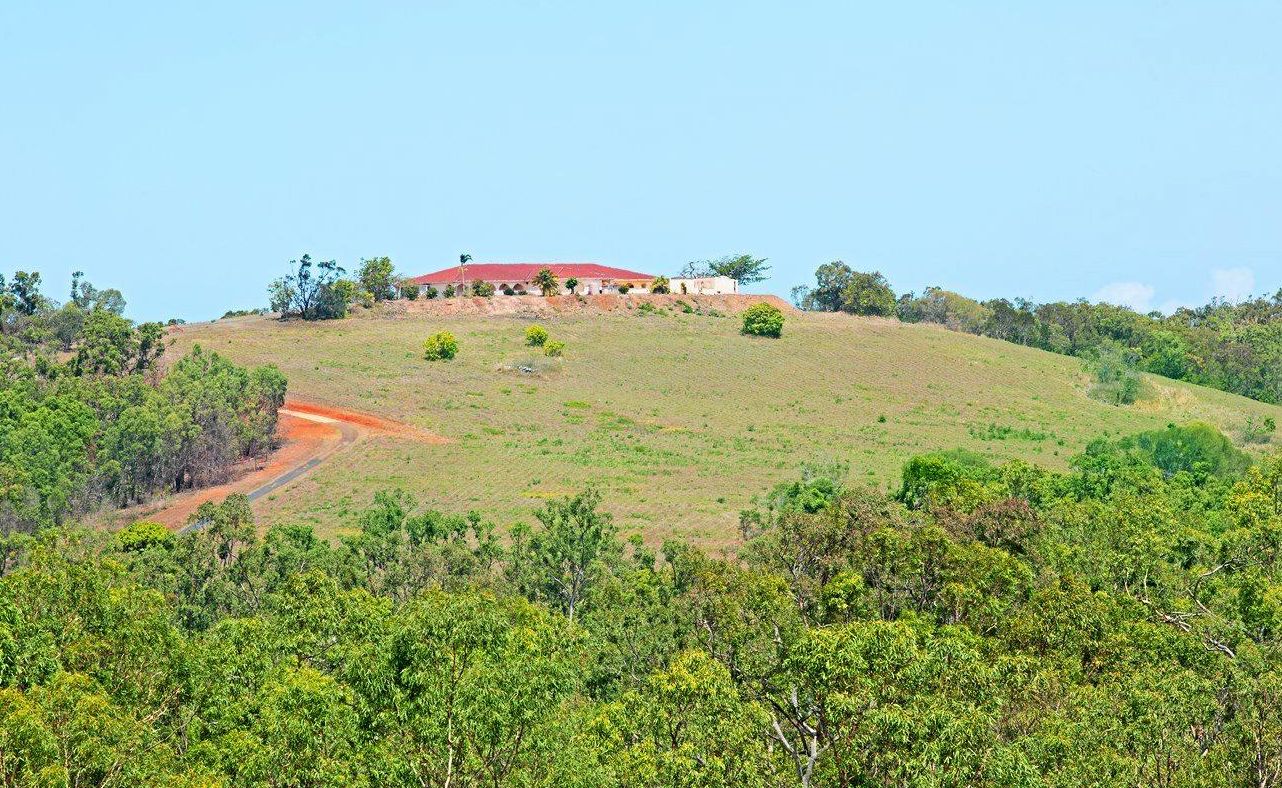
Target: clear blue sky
[184, 154]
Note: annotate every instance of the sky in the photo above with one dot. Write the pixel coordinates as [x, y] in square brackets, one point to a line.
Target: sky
[185, 152]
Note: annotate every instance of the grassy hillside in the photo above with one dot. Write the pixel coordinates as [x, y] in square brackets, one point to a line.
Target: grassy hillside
[679, 418]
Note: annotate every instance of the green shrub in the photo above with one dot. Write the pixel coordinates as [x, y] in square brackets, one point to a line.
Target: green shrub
[431, 292]
[536, 335]
[661, 285]
[412, 291]
[440, 346]
[346, 290]
[1259, 430]
[553, 347]
[1117, 381]
[143, 534]
[623, 289]
[482, 289]
[449, 291]
[763, 320]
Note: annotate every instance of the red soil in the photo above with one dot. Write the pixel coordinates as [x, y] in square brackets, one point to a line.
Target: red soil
[367, 420]
[301, 439]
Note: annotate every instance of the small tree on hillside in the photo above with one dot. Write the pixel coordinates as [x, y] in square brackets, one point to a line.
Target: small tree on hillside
[482, 288]
[309, 290]
[763, 320]
[545, 280]
[571, 283]
[378, 277]
[536, 335]
[743, 268]
[838, 288]
[661, 285]
[441, 346]
[868, 294]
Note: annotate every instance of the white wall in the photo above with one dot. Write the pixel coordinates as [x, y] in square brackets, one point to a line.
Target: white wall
[705, 285]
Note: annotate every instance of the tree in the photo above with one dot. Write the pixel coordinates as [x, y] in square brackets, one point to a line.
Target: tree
[567, 553]
[763, 320]
[660, 285]
[463, 260]
[377, 277]
[868, 294]
[483, 289]
[545, 280]
[310, 291]
[743, 268]
[25, 289]
[110, 345]
[571, 283]
[830, 282]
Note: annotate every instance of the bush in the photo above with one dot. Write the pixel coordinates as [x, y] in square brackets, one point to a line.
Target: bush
[1117, 381]
[763, 320]
[554, 347]
[508, 291]
[441, 346]
[143, 534]
[482, 289]
[661, 285]
[536, 335]
[412, 290]
[449, 291]
[430, 292]
[1259, 430]
[623, 289]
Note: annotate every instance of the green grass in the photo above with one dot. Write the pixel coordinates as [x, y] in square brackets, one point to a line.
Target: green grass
[679, 418]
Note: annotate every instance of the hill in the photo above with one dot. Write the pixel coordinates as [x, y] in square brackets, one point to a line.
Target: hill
[679, 418]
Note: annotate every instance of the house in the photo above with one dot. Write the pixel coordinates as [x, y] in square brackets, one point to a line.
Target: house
[518, 278]
[704, 285]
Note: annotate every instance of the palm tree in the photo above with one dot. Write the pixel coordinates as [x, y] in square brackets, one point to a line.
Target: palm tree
[546, 281]
[463, 260]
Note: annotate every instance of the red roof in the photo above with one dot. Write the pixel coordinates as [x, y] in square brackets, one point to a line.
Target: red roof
[525, 272]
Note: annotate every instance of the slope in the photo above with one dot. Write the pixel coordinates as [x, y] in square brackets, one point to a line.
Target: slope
[676, 416]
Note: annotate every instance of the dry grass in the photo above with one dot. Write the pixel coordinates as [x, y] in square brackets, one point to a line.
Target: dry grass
[677, 417]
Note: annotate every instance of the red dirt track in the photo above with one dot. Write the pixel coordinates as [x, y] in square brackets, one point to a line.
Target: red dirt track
[302, 440]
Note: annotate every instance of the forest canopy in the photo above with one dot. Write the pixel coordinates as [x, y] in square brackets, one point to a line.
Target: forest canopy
[88, 416]
[1118, 623]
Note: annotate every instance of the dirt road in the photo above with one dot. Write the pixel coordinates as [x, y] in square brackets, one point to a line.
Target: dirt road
[310, 433]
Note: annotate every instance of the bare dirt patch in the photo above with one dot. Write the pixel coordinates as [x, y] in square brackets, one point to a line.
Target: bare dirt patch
[308, 432]
[571, 305]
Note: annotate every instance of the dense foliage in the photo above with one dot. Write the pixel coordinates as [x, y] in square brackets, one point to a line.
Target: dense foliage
[1236, 347]
[319, 291]
[763, 320]
[1118, 624]
[87, 418]
[441, 346]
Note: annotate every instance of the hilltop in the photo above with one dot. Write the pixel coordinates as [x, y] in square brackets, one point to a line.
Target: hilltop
[678, 418]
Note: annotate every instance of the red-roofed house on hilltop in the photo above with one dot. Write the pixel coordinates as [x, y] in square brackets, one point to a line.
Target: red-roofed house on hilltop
[518, 278]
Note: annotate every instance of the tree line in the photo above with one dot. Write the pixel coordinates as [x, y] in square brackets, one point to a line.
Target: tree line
[1117, 623]
[88, 417]
[1234, 347]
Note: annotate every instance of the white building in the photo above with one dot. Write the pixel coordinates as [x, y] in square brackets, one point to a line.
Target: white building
[704, 285]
